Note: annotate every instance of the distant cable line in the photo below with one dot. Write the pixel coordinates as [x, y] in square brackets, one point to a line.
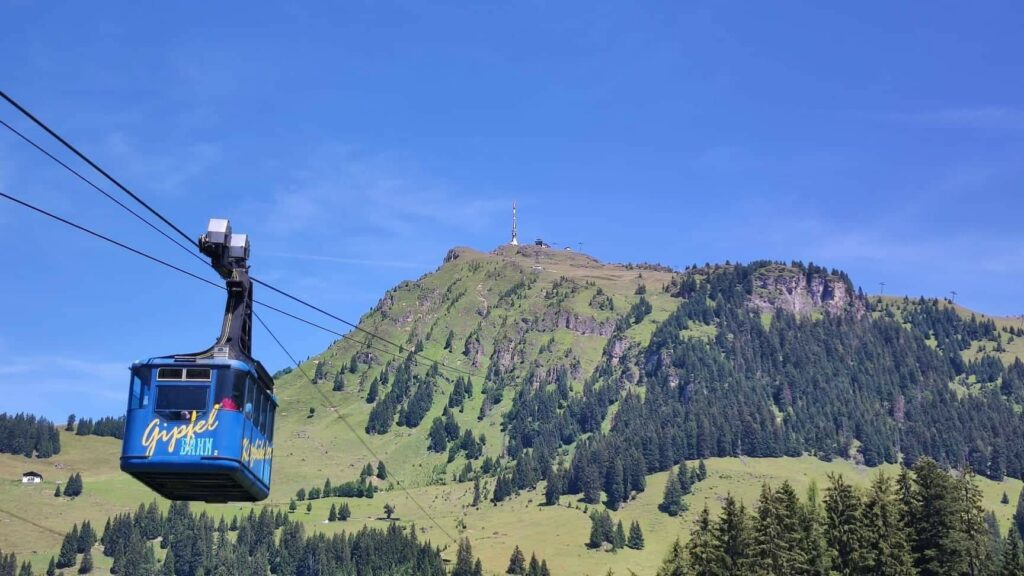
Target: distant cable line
[100, 190]
[401, 348]
[152, 258]
[95, 166]
[352, 429]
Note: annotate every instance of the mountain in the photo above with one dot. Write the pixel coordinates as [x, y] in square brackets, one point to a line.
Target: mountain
[529, 367]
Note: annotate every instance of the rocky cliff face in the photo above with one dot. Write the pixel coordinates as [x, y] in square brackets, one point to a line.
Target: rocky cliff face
[787, 288]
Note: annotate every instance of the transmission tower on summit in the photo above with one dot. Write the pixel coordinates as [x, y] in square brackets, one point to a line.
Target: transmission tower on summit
[515, 234]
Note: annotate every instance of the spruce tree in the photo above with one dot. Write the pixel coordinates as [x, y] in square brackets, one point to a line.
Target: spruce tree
[706, 558]
[51, 568]
[345, 513]
[382, 470]
[1005, 499]
[636, 536]
[971, 530]
[464, 559]
[309, 507]
[544, 571]
[26, 569]
[702, 471]
[937, 549]
[812, 535]
[86, 566]
[516, 562]
[844, 526]
[57, 493]
[332, 516]
[672, 501]
[674, 563]
[476, 492]
[292, 507]
[534, 567]
[886, 539]
[167, 568]
[732, 536]
[1012, 561]
[619, 538]
[66, 558]
[1018, 516]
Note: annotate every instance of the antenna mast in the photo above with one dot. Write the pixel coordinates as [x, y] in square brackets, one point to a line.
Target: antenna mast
[515, 234]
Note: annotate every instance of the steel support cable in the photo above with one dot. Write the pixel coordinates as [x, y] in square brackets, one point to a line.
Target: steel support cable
[352, 429]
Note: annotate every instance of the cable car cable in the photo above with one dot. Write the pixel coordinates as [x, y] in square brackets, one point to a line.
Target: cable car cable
[96, 167]
[190, 274]
[152, 210]
[78, 174]
[352, 428]
[267, 328]
[400, 347]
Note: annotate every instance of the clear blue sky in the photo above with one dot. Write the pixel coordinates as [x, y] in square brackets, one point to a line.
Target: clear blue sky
[356, 143]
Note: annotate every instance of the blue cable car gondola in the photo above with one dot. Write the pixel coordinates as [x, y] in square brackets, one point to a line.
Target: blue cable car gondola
[201, 426]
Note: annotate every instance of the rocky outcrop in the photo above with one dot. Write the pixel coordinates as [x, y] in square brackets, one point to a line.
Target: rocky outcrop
[555, 318]
[787, 288]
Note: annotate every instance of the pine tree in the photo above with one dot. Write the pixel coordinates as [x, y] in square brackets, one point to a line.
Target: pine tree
[553, 489]
[309, 507]
[56, 493]
[332, 516]
[438, 439]
[476, 492]
[1018, 516]
[292, 507]
[769, 548]
[702, 471]
[619, 539]
[345, 513]
[685, 484]
[516, 562]
[672, 501]
[732, 537]
[1005, 499]
[167, 568]
[382, 470]
[675, 561]
[66, 558]
[886, 539]
[636, 536]
[812, 535]
[934, 518]
[86, 566]
[51, 568]
[706, 559]
[544, 571]
[972, 533]
[601, 529]
[464, 560]
[26, 569]
[1012, 562]
[844, 526]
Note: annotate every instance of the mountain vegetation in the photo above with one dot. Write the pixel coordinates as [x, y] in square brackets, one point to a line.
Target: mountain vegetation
[540, 398]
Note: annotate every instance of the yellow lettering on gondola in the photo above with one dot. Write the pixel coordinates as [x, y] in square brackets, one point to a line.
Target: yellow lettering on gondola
[155, 435]
[255, 452]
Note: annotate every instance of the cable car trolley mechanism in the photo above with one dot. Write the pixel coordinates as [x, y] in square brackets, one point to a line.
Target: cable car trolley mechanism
[201, 426]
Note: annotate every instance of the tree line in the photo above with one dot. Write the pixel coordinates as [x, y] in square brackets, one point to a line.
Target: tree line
[28, 436]
[261, 543]
[924, 522]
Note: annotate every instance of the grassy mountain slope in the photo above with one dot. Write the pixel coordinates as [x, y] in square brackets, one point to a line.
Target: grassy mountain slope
[514, 316]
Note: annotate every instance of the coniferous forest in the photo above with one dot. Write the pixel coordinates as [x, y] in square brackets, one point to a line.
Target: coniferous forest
[257, 544]
[923, 522]
[857, 383]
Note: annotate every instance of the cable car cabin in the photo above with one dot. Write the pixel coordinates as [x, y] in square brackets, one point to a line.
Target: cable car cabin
[201, 430]
[201, 426]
